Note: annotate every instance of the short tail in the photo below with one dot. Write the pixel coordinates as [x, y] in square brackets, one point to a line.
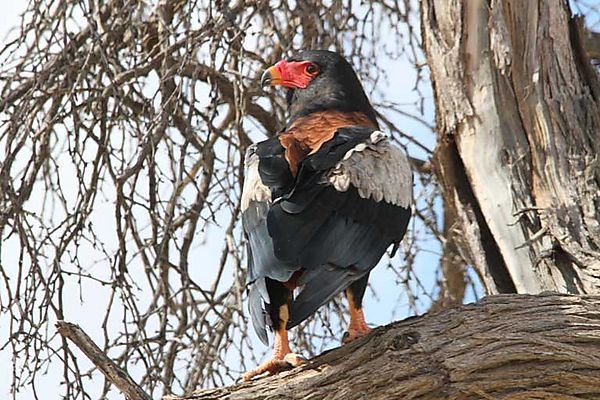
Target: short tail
[258, 293]
[320, 286]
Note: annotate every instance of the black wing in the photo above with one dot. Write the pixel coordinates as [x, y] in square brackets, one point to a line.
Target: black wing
[347, 204]
[255, 204]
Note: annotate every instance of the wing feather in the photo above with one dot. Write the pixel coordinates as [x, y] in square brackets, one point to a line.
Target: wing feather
[378, 169]
[262, 263]
[346, 205]
[254, 189]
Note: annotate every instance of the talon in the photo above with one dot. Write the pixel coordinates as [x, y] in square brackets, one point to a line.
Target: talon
[346, 338]
[295, 360]
[358, 326]
[353, 334]
[282, 358]
[274, 366]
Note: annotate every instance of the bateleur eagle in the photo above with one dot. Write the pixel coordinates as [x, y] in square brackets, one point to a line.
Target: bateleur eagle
[321, 202]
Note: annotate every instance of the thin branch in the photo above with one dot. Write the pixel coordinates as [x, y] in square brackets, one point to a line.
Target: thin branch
[111, 371]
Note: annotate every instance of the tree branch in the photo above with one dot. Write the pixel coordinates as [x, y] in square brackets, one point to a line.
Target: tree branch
[504, 347]
[111, 371]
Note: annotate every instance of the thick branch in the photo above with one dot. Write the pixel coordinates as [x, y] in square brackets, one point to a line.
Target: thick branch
[113, 373]
[504, 347]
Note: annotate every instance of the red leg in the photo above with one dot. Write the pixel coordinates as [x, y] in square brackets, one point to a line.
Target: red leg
[282, 357]
[358, 326]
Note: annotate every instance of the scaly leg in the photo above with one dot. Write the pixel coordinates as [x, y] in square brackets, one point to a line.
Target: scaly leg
[282, 357]
[358, 326]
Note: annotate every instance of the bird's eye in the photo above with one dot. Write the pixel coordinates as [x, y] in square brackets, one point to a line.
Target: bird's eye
[312, 69]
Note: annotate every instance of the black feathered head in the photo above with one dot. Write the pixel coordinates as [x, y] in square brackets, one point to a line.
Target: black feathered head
[319, 80]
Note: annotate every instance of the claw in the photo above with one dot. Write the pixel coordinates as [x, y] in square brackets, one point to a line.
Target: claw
[358, 326]
[274, 366]
[282, 358]
[352, 334]
[295, 360]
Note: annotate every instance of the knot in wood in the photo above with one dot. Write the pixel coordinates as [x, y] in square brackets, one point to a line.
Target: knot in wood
[404, 340]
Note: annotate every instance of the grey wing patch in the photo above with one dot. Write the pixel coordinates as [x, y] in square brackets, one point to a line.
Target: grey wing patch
[377, 169]
[254, 189]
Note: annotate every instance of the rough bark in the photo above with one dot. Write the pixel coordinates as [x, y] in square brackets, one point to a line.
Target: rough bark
[518, 116]
[504, 347]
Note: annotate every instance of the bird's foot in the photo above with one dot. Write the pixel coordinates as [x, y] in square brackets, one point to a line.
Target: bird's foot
[276, 365]
[354, 333]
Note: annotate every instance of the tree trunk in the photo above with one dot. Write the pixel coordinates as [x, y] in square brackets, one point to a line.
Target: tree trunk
[504, 347]
[518, 117]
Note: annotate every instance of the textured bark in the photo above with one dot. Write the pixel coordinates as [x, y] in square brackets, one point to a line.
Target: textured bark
[504, 347]
[518, 116]
[452, 291]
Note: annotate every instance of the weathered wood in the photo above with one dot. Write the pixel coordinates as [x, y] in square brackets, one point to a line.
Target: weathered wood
[518, 115]
[504, 347]
[111, 371]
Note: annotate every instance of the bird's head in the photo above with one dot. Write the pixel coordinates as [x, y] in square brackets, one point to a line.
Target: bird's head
[319, 80]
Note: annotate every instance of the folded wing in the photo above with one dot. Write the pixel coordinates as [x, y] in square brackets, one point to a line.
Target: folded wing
[334, 220]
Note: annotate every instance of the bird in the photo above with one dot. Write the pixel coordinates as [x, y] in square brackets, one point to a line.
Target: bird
[321, 202]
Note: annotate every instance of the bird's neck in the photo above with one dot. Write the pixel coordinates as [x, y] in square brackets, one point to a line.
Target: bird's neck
[328, 120]
[347, 117]
[306, 103]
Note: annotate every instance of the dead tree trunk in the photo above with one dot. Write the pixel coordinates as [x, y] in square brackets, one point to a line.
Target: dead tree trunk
[518, 116]
[504, 347]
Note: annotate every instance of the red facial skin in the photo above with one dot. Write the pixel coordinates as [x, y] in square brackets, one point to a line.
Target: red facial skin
[294, 74]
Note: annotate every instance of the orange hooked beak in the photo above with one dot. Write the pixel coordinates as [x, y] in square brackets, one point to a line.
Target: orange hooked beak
[271, 76]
